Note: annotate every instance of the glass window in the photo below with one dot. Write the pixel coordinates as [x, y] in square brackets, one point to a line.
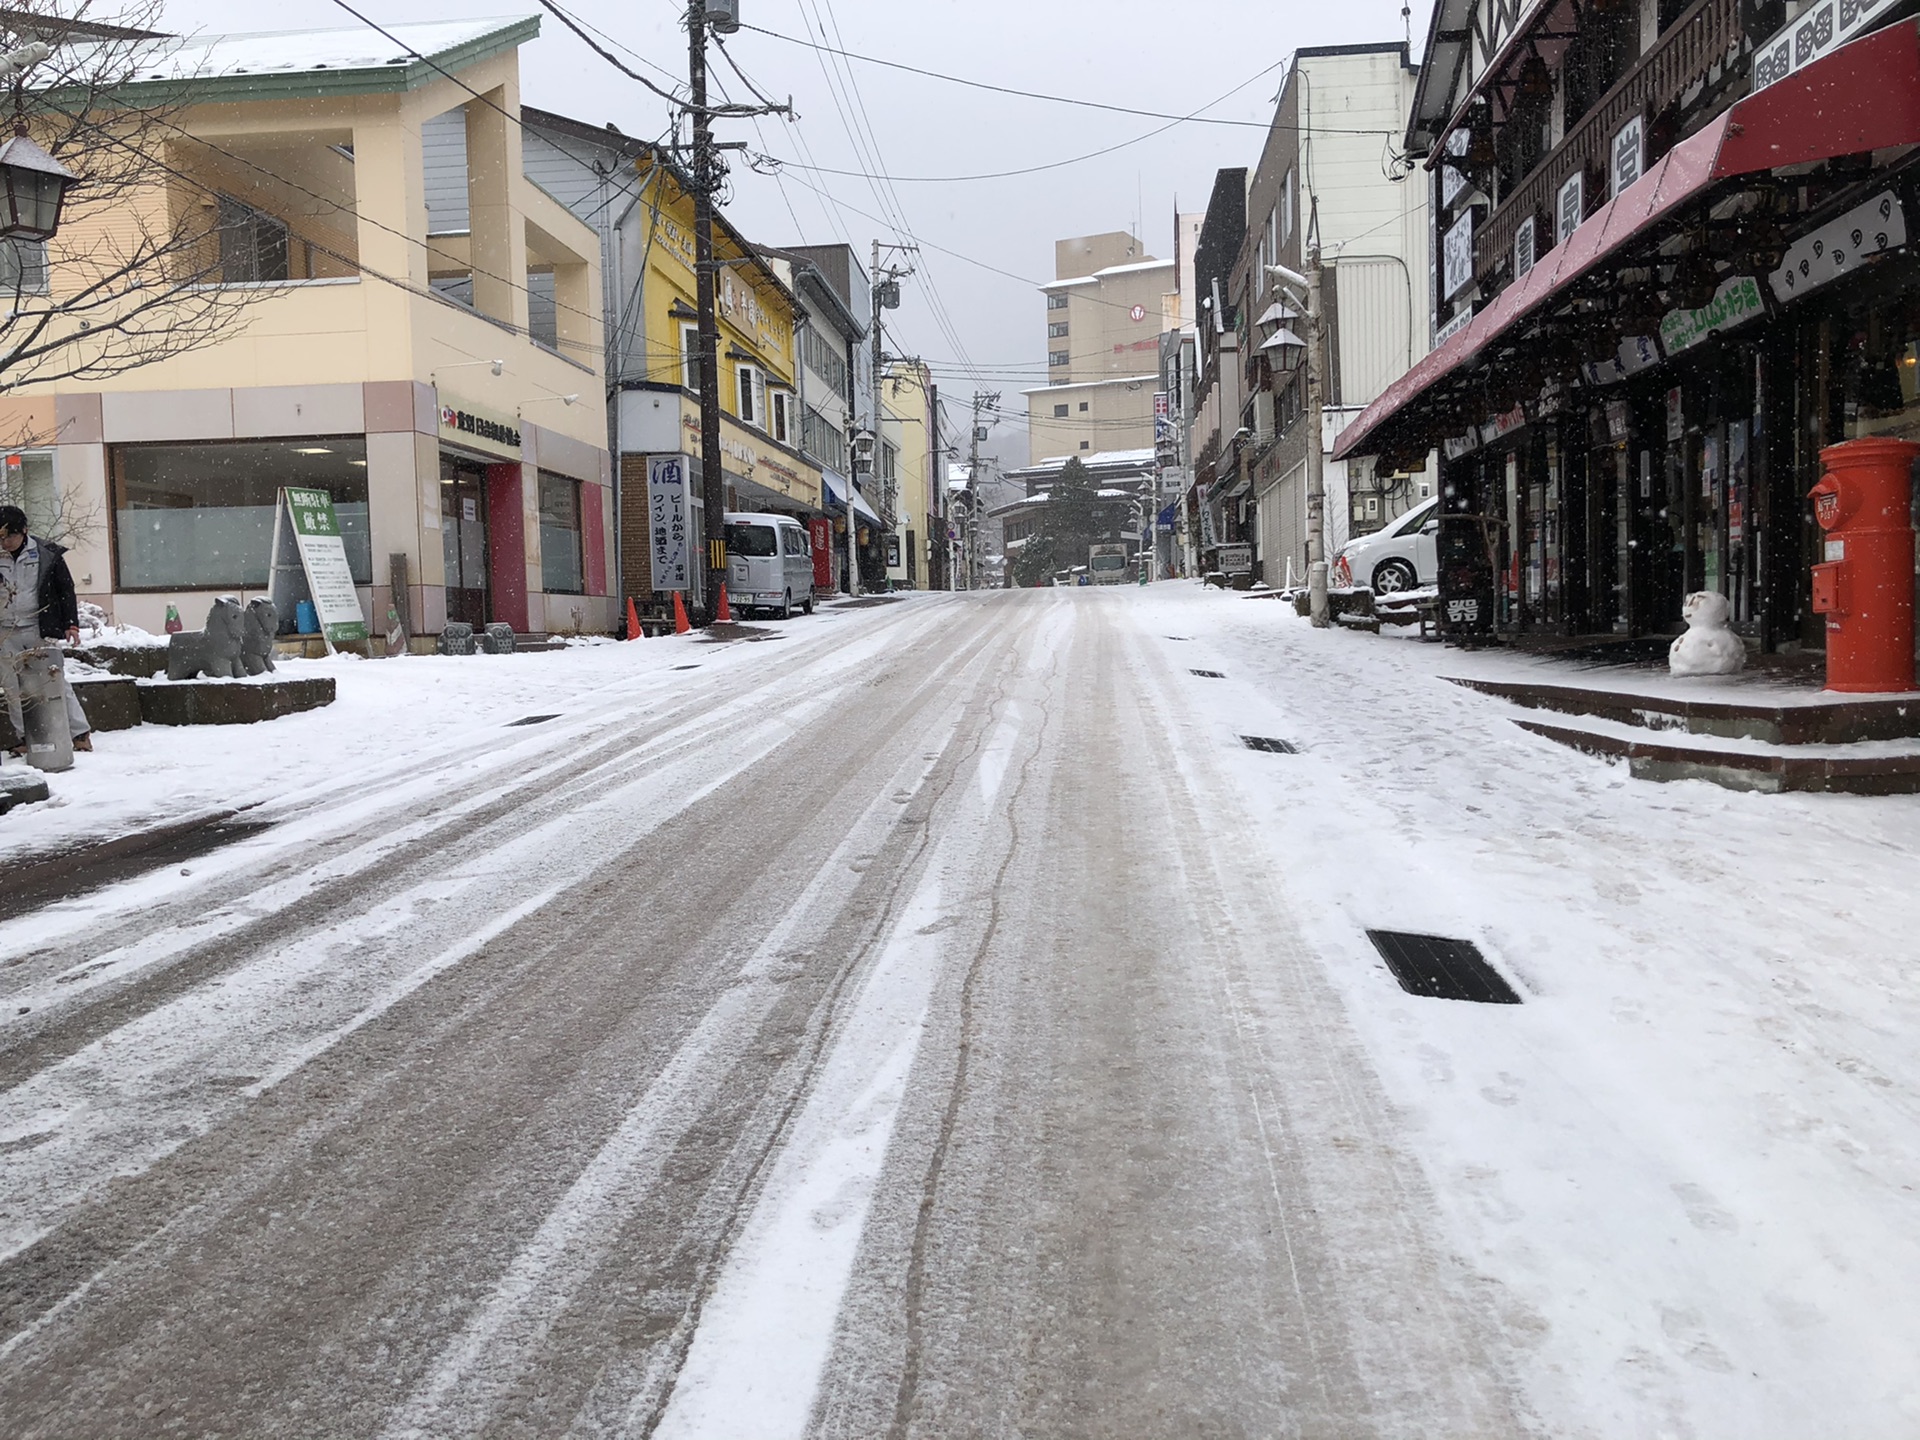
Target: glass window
[1059, 412]
[560, 572]
[28, 483]
[253, 245]
[690, 357]
[1056, 302]
[543, 309]
[200, 516]
[1057, 330]
[23, 267]
[754, 540]
[1059, 357]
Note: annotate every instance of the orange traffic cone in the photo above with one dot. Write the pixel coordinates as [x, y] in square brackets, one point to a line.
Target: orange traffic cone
[680, 625]
[724, 615]
[634, 632]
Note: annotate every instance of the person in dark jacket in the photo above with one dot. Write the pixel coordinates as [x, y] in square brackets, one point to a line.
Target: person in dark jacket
[37, 604]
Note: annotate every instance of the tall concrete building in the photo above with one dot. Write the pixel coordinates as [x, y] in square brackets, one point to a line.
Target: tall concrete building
[1104, 313]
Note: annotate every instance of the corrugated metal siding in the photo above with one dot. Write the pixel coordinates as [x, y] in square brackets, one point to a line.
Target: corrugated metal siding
[1375, 327]
[1282, 518]
[443, 143]
[566, 172]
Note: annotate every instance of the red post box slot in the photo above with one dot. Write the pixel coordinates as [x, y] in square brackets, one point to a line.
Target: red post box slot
[1826, 589]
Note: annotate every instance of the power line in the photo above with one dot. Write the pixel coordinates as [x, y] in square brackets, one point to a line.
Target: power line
[1194, 119]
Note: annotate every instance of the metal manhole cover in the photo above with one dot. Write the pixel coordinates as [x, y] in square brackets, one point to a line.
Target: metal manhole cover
[1269, 744]
[531, 720]
[1442, 969]
[1207, 674]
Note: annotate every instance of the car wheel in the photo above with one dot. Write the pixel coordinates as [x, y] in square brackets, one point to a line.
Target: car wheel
[806, 607]
[786, 606]
[1390, 577]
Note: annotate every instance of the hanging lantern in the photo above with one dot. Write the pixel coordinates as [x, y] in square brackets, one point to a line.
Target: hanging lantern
[1536, 81]
[36, 183]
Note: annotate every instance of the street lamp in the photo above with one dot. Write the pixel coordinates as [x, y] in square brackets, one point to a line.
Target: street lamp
[35, 184]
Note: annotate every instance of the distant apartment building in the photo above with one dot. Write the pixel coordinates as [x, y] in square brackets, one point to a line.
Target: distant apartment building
[1105, 311]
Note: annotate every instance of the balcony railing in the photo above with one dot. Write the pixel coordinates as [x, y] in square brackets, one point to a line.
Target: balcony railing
[1707, 35]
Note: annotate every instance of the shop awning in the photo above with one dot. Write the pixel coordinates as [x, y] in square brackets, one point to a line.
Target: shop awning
[837, 492]
[1864, 96]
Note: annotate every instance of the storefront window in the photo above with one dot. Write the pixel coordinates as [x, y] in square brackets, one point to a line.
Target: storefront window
[200, 516]
[560, 535]
[28, 483]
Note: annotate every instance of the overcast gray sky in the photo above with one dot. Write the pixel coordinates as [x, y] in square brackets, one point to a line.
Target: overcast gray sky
[973, 324]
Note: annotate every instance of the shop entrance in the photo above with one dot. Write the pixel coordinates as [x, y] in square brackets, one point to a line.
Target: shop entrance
[463, 538]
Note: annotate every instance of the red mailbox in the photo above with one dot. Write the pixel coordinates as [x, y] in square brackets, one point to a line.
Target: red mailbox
[1864, 585]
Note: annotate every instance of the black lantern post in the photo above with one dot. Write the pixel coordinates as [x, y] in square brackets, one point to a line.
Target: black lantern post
[35, 184]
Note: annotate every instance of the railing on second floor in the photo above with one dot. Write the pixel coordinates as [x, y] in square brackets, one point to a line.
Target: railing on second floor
[1707, 34]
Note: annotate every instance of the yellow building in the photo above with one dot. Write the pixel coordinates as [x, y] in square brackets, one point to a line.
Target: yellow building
[439, 373]
[657, 403]
[905, 469]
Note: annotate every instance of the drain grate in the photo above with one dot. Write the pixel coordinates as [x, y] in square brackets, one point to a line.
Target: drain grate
[531, 720]
[1442, 969]
[1269, 744]
[1207, 674]
[686, 667]
[1180, 637]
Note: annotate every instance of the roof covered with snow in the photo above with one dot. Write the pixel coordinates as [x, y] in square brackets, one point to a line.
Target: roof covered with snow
[352, 60]
[1099, 275]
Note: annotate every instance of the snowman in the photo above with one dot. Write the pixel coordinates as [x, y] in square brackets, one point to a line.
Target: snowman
[1709, 646]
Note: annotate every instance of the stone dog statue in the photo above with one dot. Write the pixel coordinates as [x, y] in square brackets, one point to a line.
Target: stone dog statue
[262, 624]
[215, 651]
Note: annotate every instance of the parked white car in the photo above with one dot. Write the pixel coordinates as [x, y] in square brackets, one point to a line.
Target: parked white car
[769, 563]
[1402, 556]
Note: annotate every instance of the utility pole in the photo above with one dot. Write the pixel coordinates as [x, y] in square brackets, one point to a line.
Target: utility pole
[708, 175]
[886, 296]
[982, 400]
[706, 181]
[1316, 461]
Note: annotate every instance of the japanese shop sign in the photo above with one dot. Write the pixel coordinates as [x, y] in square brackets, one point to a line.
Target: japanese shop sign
[1870, 228]
[1821, 29]
[306, 524]
[669, 520]
[1734, 303]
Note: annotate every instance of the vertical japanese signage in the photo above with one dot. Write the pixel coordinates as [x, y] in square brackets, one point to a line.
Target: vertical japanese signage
[1453, 169]
[669, 521]
[1456, 250]
[1523, 247]
[1629, 154]
[1570, 207]
[314, 530]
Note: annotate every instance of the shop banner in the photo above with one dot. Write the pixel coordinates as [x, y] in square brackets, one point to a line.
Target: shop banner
[1870, 228]
[304, 523]
[669, 520]
[1734, 303]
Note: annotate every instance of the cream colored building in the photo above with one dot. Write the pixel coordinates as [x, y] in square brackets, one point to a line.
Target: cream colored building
[442, 382]
[1105, 313]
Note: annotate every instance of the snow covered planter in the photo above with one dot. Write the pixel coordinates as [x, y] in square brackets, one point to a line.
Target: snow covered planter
[1709, 646]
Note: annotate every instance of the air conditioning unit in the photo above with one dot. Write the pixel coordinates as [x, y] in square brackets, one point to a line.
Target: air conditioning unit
[723, 16]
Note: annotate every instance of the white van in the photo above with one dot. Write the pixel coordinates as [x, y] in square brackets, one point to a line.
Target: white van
[769, 563]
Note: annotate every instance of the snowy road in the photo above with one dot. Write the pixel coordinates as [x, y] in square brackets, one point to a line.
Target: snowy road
[937, 1025]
